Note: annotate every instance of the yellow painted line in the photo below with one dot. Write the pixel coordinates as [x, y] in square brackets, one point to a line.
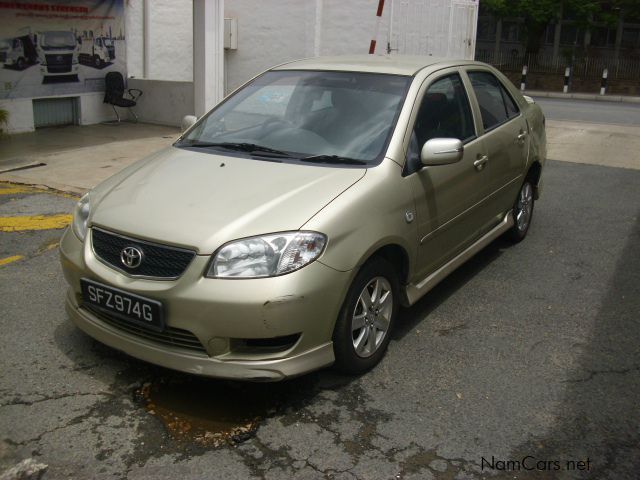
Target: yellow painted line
[8, 260]
[14, 190]
[34, 222]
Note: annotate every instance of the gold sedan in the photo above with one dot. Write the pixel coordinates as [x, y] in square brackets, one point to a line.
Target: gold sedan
[284, 229]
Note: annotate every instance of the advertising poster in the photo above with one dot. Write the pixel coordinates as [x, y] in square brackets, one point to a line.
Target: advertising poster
[59, 47]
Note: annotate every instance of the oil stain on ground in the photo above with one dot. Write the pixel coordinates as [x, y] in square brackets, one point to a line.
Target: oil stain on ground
[211, 413]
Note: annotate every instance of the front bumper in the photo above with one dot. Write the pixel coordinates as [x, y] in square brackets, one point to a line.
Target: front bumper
[220, 313]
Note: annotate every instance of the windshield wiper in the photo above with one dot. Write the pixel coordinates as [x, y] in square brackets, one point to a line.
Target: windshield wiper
[240, 147]
[333, 159]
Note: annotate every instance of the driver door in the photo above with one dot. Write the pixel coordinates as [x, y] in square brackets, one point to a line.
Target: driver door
[446, 196]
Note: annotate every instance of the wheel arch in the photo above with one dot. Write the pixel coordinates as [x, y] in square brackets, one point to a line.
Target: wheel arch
[397, 256]
[534, 173]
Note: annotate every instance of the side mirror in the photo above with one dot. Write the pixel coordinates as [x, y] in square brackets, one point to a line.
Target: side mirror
[442, 151]
[187, 122]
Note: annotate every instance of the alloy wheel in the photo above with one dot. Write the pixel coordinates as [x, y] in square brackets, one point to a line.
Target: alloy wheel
[372, 316]
[524, 207]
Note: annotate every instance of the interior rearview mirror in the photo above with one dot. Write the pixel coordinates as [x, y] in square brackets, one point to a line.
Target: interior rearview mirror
[442, 151]
[187, 122]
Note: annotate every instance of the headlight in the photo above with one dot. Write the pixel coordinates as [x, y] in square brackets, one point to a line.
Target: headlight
[80, 217]
[267, 256]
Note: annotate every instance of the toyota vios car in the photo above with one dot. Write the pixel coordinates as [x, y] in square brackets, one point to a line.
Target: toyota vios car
[284, 229]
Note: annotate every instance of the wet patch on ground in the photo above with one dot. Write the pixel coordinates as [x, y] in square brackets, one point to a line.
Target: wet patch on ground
[207, 413]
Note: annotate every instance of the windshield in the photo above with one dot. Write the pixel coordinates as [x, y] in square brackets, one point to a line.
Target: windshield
[343, 115]
[58, 39]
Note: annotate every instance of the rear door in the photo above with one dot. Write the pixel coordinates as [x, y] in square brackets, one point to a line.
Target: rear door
[505, 139]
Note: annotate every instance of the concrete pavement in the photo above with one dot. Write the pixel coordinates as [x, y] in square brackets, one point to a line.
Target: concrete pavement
[596, 97]
[78, 158]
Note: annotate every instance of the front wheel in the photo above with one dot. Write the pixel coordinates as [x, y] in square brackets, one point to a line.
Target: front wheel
[363, 329]
[522, 212]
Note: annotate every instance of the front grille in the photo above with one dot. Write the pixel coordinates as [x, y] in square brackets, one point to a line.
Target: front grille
[3, 57]
[59, 63]
[174, 337]
[159, 261]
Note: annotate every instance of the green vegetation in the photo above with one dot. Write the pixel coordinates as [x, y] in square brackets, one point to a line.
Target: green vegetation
[537, 14]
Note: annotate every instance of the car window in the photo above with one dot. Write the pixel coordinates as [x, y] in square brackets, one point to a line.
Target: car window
[444, 113]
[512, 108]
[496, 105]
[310, 113]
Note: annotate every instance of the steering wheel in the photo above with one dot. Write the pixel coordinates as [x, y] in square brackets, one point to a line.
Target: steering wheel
[266, 130]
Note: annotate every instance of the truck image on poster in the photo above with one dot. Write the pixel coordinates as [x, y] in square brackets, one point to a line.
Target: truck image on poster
[57, 53]
[60, 48]
[18, 53]
[96, 52]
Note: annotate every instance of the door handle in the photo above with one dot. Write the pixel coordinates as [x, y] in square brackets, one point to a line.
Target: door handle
[521, 138]
[480, 162]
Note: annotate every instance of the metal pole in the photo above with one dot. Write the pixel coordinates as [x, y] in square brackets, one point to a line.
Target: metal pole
[523, 82]
[603, 85]
[372, 45]
[567, 74]
[146, 35]
[389, 49]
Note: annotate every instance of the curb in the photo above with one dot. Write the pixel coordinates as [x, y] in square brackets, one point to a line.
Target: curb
[584, 96]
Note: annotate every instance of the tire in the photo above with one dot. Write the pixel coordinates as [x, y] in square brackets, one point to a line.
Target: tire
[360, 338]
[20, 63]
[96, 61]
[522, 211]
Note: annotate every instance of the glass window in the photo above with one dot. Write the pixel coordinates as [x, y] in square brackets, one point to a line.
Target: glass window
[444, 113]
[496, 105]
[309, 113]
[512, 108]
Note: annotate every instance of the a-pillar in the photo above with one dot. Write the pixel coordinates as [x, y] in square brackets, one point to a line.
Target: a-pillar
[208, 54]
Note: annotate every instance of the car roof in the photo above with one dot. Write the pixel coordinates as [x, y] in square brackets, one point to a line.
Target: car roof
[393, 64]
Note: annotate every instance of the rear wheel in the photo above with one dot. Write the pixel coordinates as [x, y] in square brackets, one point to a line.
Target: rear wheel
[522, 212]
[20, 63]
[363, 329]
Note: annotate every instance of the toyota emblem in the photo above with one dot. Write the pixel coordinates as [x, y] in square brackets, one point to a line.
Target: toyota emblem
[131, 257]
[59, 58]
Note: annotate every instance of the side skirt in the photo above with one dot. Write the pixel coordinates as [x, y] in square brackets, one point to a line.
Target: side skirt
[416, 291]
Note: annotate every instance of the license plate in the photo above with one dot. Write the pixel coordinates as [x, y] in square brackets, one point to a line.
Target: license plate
[124, 305]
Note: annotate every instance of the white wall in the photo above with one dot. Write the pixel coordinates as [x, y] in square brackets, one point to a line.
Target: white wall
[170, 39]
[92, 110]
[20, 115]
[269, 33]
[163, 102]
[273, 32]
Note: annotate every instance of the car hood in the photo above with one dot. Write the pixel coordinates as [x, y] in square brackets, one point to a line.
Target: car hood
[202, 200]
